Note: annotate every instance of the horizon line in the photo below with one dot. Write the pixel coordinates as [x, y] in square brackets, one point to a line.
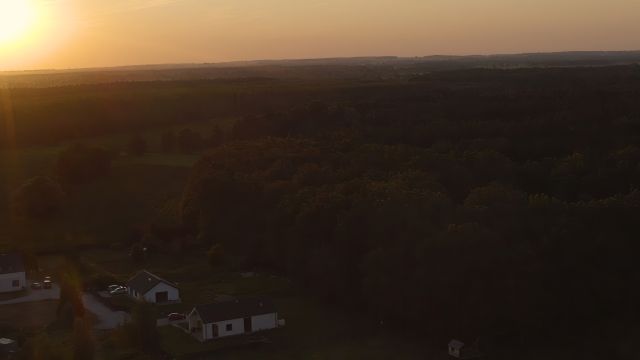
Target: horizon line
[266, 60]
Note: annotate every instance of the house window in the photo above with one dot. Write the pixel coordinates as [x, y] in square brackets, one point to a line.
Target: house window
[229, 327]
[15, 283]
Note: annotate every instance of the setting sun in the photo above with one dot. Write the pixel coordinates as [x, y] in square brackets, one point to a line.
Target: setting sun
[16, 19]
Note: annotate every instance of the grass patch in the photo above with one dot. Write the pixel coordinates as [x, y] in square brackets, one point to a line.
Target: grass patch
[31, 315]
[313, 330]
[181, 345]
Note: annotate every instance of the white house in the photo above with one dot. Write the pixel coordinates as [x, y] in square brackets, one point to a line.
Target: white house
[145, 286]
[455, 348]
[233, 317]
[12, 274]
[8, 348]
[460, 350]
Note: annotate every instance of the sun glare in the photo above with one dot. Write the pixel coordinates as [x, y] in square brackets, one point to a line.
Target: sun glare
[17, 17]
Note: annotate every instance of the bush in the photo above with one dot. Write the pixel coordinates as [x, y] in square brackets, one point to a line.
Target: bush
[39, 198]
[215, 255]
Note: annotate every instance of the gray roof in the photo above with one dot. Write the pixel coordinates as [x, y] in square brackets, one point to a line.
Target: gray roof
[145, 281]
[234, 309]
[6, 341]
[11, 263]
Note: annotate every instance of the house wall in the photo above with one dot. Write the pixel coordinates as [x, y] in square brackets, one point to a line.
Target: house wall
[173, 293]
[264, 322]
[134, 294]
[193, 319]
[207, 331]
[454, 352]
[237, 327]
[6, 282]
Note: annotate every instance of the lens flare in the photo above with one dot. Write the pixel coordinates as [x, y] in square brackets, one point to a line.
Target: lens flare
[17, 17]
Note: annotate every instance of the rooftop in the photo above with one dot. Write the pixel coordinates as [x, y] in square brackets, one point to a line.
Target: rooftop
[11, 263]
[5, 341]
[235, 309]
[145, 281]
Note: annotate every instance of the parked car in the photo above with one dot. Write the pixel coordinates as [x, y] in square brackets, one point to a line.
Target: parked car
[36, 285]
[47, 284]
[118, 291]
[176, 317]
[110, 288]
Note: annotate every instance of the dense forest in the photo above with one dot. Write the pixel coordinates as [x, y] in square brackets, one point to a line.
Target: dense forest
[491, 204]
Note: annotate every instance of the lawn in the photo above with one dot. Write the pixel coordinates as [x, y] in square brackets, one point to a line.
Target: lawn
[131, 195]
[32, 315]
[313, 331]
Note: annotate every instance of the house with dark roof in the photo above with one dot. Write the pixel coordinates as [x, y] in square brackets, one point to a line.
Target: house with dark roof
[232, 317]
[145, 286]
[8, 348]
[12, 273]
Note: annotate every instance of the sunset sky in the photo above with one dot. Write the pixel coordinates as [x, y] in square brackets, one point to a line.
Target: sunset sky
[89, 33]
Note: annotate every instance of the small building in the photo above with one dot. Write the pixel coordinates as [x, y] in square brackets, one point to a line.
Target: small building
[460, 350]
[12, 273]
[232, 317]
[145, 286]
[8, 347]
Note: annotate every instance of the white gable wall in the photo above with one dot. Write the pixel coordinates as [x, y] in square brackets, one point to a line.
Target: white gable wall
[264, 322]
[173, 293]
[6, 282]
[194, 320]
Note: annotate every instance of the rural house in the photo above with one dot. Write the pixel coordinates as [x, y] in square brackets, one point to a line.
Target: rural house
[233, 317]
[145, 286]
[8, 348]
[12, 273]
[460, 350]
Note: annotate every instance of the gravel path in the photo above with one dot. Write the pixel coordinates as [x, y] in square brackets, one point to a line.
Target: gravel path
[36, 295]
[107, 318]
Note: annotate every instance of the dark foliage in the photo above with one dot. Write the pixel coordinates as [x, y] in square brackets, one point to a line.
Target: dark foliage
[189, 141]
[137, 145]
[168, 141]
[80, 164]
[142, 331]
[504, 205]
[39, 198]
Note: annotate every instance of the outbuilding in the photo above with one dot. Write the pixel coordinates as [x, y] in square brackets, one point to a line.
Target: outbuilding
[232, 317]
[8, 347]
[460, 350]
[145, 286]
[12, 273]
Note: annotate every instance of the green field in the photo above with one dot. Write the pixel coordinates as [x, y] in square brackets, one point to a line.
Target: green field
[136, 188]
[312, 331]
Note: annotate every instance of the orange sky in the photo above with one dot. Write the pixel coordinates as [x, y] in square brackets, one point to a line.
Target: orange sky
[90, 33]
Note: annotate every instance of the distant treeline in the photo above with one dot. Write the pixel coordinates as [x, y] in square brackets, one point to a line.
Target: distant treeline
[421, 102]
[359, 68]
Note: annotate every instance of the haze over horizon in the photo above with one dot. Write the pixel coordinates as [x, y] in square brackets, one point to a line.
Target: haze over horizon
[66, 34]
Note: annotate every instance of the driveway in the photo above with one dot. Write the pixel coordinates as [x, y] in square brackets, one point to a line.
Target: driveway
[107, 319]
[36, 295]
